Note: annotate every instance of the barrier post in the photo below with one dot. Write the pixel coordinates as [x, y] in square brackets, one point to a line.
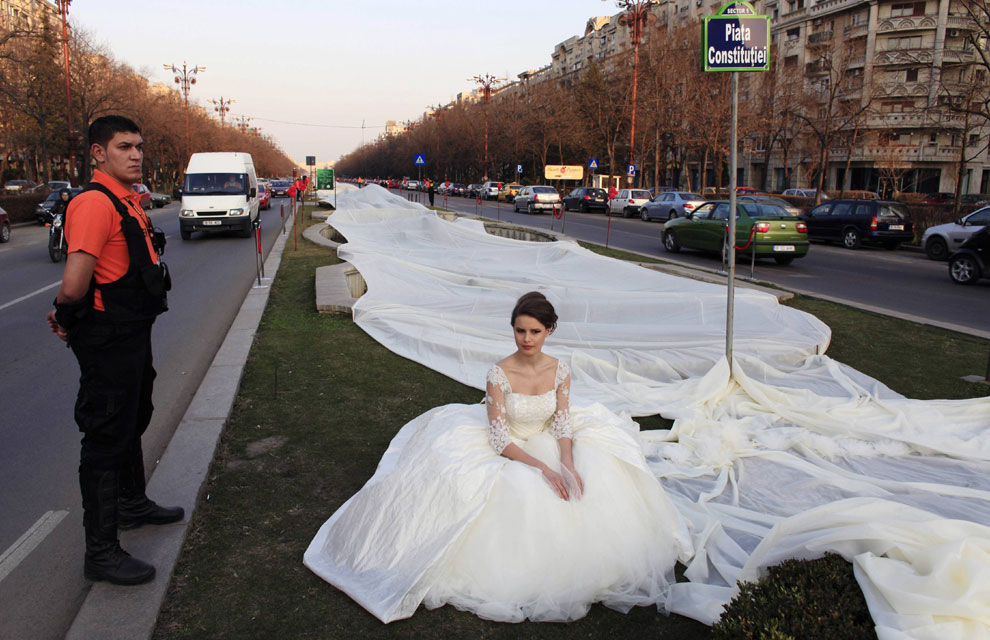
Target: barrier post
[281, 215]
[295, 238]
[259, 266]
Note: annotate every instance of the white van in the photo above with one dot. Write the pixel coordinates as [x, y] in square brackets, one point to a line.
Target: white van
[220, 193]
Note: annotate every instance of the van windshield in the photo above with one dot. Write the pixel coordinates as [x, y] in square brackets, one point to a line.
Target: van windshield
[215, 184]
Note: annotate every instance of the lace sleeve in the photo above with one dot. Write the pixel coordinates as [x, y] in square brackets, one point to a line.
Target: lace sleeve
[560, 424]
[498, 427]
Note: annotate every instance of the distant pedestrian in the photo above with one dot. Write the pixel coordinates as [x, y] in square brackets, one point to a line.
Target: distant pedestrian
[430, 191]
[113, 288]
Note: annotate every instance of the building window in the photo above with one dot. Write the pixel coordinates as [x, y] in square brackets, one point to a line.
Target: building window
[793, 34]
[907, 9]
[910, 42]
[790, 62]
[861, 18]
[911, 75]
[933, 138]
[974, 139]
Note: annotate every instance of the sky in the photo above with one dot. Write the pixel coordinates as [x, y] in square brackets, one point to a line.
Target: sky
[309, 73]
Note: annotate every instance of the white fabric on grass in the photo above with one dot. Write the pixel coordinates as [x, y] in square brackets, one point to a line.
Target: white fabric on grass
[797, 455]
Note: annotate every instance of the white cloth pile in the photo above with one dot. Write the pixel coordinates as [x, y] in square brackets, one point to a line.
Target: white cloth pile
[795, 455]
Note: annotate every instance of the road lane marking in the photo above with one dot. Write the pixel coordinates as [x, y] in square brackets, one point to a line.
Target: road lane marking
[34, 536]
[33, 293]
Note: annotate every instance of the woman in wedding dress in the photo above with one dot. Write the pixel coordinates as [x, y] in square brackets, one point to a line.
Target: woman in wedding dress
[519, 508]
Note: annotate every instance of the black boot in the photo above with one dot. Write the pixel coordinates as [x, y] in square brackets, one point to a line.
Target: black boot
[105, 560]
[136, 508]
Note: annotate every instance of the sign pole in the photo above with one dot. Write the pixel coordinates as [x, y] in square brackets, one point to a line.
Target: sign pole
[732, 222]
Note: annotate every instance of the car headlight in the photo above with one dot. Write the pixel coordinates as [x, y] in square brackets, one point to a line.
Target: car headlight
[236, 212]
[187, 213]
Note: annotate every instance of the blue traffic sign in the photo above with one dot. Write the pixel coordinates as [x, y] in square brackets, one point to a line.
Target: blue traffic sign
[518, 168]
[420, 159]
[593, 163]
[737, 39]
[630, 170]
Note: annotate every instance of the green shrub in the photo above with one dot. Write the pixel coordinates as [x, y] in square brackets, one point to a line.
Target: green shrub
[21, 208]
[799, 600]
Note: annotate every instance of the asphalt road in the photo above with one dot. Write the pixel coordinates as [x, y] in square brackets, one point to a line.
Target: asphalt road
[41, 535]
[901, 281]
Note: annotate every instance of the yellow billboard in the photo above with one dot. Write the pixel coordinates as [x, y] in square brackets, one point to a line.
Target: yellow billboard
[563, 172]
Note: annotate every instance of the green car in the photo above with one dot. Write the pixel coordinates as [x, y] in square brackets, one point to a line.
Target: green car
[778, 234]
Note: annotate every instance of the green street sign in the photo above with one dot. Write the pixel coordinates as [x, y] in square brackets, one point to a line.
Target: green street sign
[324, 179]
[736, 39]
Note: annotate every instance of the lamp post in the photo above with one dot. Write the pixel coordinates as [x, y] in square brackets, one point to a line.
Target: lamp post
[222, 107]
[637, 12]
[63, 6]
[241, 122]
[185, 78]
[487, 82]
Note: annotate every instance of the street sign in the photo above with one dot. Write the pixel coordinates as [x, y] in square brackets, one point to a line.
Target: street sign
[593, 164]
[518, 168]
[563, 172]
[310, 161]
[736, 39]
[420, 160]
[324, 179]
[631, 170]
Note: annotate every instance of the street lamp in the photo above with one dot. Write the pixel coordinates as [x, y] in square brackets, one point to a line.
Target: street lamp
[185, 78]
[637, 13]
[487, 82]
[63, 6]
[241, 122]
[222, 107]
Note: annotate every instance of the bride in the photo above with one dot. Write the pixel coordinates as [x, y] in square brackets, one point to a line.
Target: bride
[519, 508]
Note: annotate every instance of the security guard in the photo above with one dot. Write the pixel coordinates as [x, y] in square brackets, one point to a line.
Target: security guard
[113, 288]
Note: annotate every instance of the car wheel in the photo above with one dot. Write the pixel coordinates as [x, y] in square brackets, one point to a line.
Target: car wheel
[936, 248]
[185, 235]
[584, 207]
[670, 242]
[784, 259]
[625, 212]
[671, 215]
[515, 207]
[5, 232]
[531, 209]
[643, 215]
[850, 239]
[964, 269]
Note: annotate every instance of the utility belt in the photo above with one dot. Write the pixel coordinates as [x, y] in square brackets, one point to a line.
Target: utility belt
[141, 294]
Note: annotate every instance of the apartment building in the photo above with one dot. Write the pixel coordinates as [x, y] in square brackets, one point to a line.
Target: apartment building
[26, 14]
[904, 61]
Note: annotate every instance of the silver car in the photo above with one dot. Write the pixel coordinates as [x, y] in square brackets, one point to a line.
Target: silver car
[670, 205]
[783, 204]
[940, 241]
[804, 193]
[536, 198]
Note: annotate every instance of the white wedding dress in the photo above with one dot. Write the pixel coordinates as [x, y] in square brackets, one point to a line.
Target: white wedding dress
[447, 520]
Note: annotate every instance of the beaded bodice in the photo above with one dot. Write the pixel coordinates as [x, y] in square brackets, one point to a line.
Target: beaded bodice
[517, 416]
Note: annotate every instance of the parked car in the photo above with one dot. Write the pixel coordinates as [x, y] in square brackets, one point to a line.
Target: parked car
[4, 226]
[508, 192]
[971, 261]
[536, 198]
[670, 205]
[777, 234]
[940, 198]
[474, 190]
[264, 196]
[55, 185]
[280, 188]
[586, 199]
[940, 241]
[489, 190]
[803, 193]
[628, 201]
[458, 189]
[975, 198]
[18, 186]
[144, 194]
[43, 212]
[854, 222]
[747, 190]
[783, 204]
[412, 185]
[159, 200]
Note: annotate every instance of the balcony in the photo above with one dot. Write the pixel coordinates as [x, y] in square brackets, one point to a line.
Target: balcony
[904, 56]
[856, 31]
[823, 7]
[961, 22]
[957, 56]
[895, 89]
[907, 23]
[821, 38]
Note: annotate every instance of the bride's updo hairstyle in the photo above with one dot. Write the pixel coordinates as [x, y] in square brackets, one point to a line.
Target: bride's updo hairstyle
[535, 305]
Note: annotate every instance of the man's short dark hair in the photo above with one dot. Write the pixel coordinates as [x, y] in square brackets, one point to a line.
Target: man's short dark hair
[103, 129]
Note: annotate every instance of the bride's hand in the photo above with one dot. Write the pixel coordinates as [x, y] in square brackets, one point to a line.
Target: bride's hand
[556, 482]
[569, 470]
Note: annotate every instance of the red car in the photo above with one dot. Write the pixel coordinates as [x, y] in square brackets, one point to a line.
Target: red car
[264, 196]
[144, 193]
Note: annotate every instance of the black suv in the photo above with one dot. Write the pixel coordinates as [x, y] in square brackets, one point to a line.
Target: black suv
[586, 199]
[853, 222]
[971, 261]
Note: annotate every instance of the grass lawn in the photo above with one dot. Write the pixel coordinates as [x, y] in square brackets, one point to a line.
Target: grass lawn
[318, 404]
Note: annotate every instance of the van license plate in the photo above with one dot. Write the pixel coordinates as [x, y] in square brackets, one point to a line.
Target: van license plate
[212, 222]
[896, 227]
[783, 247]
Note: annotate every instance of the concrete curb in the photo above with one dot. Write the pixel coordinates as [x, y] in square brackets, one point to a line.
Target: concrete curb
[127, 613]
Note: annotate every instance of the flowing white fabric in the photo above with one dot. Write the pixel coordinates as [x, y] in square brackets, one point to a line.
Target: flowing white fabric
[782, 456]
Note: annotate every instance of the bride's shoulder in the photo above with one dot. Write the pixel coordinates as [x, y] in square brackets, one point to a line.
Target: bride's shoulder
[496, 375]
[563, 371]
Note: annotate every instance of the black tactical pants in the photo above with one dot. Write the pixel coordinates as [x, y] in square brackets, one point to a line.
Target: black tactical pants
[114, 407]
